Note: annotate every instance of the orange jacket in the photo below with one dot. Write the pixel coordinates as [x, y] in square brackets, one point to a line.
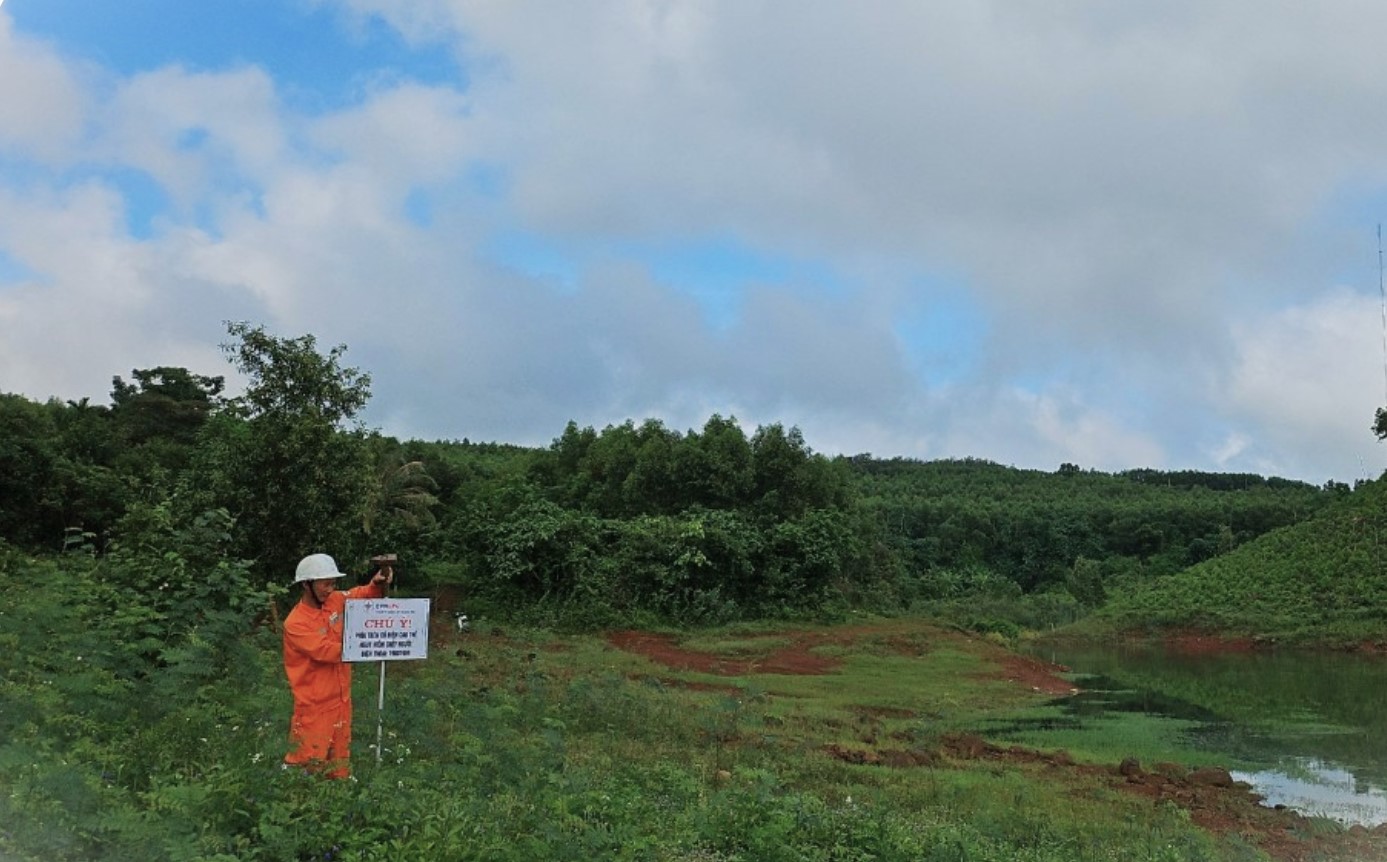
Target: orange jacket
[313, 649]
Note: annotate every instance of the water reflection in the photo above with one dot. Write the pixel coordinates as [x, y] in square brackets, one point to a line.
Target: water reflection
[1321, 789]
[1307, 730]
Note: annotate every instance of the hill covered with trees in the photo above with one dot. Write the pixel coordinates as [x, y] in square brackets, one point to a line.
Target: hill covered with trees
[635, 522]
[1323, 581]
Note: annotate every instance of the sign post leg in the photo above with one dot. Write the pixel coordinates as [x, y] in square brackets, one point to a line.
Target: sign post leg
[380, 713]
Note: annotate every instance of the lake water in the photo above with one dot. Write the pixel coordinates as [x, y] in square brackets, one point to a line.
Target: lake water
[1306, 730]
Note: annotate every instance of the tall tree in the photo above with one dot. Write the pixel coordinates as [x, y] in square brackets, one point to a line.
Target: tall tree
[298, 473]
[166, 402]
[714, 467]
[156, 420]
[29, 514]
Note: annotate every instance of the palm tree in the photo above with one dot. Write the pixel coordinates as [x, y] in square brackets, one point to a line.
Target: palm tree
[403, 495]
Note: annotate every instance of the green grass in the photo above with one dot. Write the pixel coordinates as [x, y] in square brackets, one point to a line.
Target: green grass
[516, 744]
[879, 697]
[741, 646]
[1106, 739]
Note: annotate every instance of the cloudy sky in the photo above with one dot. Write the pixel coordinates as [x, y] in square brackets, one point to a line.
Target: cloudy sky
[1117, 235]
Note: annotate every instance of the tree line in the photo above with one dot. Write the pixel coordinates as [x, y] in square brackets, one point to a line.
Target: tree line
[635, 521]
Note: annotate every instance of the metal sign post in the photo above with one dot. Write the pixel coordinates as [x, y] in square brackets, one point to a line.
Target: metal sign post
[380, 713]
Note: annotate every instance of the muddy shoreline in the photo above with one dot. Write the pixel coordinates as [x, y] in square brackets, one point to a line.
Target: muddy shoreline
[1213, 800]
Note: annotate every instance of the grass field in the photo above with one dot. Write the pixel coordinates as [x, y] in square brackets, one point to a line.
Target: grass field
[511, 744]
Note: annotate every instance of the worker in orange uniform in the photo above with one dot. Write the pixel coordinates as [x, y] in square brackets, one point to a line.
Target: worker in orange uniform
[320, 732]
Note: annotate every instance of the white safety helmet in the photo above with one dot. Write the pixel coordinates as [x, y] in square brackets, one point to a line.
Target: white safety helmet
[316, 567]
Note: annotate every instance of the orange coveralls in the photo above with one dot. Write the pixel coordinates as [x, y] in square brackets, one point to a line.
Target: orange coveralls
[321, 728]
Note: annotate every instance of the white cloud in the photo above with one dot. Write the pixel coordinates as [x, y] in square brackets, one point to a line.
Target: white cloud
[42, 99]
[1083, 165]
[1230, 449]
[1042, 430]
[93, 314]
[1309, 378]
[1111, 185]
[195, 133]
[405, 134]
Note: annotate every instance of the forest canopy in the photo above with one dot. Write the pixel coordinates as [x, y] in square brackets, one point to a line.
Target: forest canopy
[633, 521]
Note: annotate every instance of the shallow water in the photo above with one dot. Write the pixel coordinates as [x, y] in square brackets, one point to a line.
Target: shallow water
[1322, 789]
[1306, 730]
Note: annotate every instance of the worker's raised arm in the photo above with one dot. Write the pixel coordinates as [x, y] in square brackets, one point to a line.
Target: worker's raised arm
[383, 577]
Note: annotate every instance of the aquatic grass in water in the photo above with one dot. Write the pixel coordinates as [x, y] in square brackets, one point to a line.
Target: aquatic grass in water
[1107, 738]
[1306, 730]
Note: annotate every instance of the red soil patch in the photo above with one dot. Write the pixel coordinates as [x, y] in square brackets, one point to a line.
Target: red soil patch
[794, 659]
[1195, 643]
[1035, 674]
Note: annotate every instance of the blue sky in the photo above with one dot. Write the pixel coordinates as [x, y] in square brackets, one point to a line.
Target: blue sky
[319, 54]
[1112, 236]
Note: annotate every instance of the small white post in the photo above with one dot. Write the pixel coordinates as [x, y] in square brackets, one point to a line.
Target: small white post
[380, 713]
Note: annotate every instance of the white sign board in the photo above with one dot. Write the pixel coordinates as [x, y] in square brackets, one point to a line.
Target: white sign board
[385, 630]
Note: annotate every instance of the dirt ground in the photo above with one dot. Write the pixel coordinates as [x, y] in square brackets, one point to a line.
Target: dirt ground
[795, 658]
[1214, 801]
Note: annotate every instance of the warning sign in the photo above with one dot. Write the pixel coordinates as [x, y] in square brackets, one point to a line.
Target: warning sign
[385, 630]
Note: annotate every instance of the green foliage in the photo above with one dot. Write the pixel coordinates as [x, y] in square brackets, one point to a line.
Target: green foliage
[1321, 581]
[297, 473]
[173, 595]
[706, 526]
[55, 471]
[156, 421]
[626, 471]
[164, 403]
[637, 521]
[1085, 583]
[117, 667]
[400, 511]
[1032, 527]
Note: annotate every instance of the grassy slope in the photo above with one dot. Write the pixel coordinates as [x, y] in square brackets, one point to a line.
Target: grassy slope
[1320, 582]
[518, 746]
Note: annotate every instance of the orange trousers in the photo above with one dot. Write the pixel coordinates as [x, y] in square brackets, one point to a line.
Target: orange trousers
[321, 738]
